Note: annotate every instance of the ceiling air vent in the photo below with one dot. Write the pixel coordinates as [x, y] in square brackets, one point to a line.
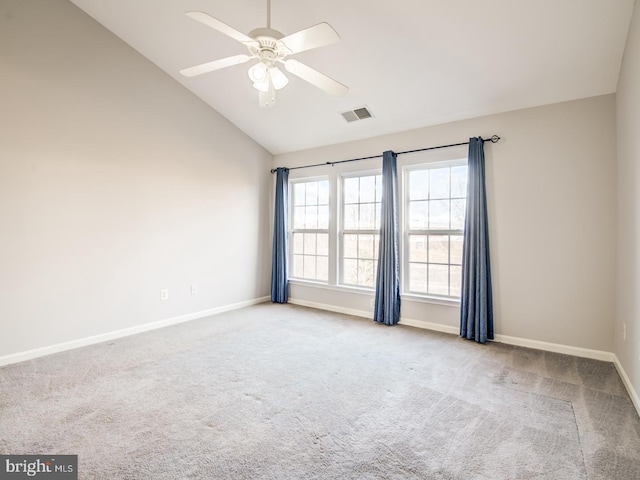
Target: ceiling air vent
[357, 114]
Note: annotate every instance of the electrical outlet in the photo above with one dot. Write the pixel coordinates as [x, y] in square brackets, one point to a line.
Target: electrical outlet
[164, 294]
[624, 330]
[194, 289]
[372, 303]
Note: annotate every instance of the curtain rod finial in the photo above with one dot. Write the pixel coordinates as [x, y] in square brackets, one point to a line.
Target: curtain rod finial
[495, 139]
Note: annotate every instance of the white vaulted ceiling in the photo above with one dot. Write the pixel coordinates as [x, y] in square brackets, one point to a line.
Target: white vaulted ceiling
[413, 63]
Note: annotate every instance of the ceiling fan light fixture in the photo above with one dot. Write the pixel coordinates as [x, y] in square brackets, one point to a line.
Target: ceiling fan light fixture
[262, 86]
[272, 75]
[258, 73]
[278, 78]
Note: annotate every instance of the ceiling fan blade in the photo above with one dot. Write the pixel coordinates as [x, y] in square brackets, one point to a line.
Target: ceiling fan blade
[316, 78]
[215, 65]
[312, 37]
[222, 27]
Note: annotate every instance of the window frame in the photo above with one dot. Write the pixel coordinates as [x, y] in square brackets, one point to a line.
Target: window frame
[293, 230]
[342, 231]
[407, 232]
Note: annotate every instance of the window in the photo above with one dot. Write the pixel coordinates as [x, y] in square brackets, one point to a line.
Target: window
[361, 197]
[335, 241]
[435, 199]
[310, 232]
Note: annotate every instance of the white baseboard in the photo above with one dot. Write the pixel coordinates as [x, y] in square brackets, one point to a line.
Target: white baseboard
[556, 347]
[362, 313]
[438, 327]
[125, 332]
[331, 308]
[509, 340]
[522, 342]
[627, 383]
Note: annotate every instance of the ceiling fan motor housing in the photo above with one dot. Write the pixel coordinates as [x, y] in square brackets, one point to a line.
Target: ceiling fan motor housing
[269, 50]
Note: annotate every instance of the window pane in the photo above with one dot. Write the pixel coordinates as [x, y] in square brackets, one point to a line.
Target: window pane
[312, 193]
[322, 271]
[456, 281]
[350, 246]
[439, 279]
[323, 192]
[456, 249]
[298, 217]
[418, 277]
[311, 217]
[418, 248]
[309, 244]
[438, 249]
[439, 214]
[351, 190]
[309, 266]
[365, 246]
[378, 188]
[367, 217]
[367, 189]
[298, 243]
[351, 217]
[366, 274]
[459, 181]
[298, 266]
[350, 272]
[298, 193]
[457, 214]
[419, 185]
[439, 183]
[323, 217]
[418, 215]
[322, 244]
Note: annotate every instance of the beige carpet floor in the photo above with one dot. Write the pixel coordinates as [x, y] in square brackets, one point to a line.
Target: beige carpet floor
[285, 392]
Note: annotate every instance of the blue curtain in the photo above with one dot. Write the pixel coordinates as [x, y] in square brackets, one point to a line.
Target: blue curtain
[387, 301]
[279, 278]
[476, 309]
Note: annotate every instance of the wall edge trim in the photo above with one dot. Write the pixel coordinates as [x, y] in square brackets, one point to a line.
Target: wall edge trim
[635, 399]
[125, 332]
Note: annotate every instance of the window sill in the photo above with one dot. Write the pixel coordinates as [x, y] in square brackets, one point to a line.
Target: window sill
[337, 288]
[370, 292]
[449, 302]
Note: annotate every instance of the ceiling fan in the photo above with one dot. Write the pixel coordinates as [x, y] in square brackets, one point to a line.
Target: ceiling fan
[271, 47]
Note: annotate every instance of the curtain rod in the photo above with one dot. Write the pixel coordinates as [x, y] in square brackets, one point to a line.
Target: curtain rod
[493, 139]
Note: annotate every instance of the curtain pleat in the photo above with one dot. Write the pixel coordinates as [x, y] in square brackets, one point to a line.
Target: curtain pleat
[387, 296]
[279, 276]
[476, 306]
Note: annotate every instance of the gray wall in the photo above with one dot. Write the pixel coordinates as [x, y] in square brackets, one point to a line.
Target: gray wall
[551, 193]
[628, 281]
[115, 183]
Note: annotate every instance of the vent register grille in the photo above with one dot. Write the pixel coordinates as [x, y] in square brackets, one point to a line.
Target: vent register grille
[357, 114]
